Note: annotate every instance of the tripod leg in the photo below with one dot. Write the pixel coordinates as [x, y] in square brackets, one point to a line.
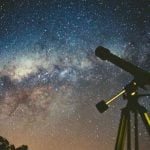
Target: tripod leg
[121, 131]
[136, 131]
[128, 133]
[146, 119]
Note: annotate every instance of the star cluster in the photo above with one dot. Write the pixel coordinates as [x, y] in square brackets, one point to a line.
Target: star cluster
[50, 79]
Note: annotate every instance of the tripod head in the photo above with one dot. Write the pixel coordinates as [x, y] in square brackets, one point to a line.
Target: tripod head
[129, 92]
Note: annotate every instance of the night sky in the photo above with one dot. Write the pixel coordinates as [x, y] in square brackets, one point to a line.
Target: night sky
[50, 78]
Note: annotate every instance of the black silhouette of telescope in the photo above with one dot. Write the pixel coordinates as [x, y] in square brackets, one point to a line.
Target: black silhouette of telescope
[141, 78]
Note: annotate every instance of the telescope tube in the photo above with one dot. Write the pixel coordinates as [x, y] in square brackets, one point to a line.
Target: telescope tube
[141, 76]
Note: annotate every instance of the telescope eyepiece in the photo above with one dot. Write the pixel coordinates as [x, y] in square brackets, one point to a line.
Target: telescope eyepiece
[102, 52]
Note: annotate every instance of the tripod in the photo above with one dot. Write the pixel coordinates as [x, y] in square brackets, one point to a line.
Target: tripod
[124, 132]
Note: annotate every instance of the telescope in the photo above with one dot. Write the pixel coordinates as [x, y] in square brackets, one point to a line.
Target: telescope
[130, 92]
[141, 76]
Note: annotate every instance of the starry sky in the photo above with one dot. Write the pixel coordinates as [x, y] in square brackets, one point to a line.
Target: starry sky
[50, 78]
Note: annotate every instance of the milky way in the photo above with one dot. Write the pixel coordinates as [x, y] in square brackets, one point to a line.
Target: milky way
[50, 79]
